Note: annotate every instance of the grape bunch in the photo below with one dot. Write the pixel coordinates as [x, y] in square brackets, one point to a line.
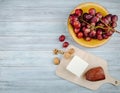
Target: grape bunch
[92, 24]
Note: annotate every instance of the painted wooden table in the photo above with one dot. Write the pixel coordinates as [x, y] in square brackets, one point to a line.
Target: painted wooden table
[29, 31]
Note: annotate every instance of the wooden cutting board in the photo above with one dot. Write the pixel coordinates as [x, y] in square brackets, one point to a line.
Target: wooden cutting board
[93, 61]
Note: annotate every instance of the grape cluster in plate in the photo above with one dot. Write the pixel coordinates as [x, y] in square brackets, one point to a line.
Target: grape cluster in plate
[92, 24]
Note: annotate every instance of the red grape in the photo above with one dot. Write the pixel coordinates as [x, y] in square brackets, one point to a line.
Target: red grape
[87, 38]
[99, 15]
[87, 30]
[99, 37]
[85, 34]
[71, 22]
[88, 16]
[76, 30]
[65, 44]
[78, 12]
[88, 26]
[105, 20]
[109, 33]
[114, 18]
[94, 19]
[92, 11]
[114, 24]
[83, 28]
[76, 24]
[108, 17]
[72, 17]
[80, 35]
[61, 38]
[99, 31]
[84, 16]
[105, 36]
[92, 33]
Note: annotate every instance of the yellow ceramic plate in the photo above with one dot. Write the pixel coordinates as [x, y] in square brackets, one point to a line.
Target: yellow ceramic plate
[85, 7]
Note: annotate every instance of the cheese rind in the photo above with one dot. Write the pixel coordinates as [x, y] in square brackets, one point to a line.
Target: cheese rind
[77, 66]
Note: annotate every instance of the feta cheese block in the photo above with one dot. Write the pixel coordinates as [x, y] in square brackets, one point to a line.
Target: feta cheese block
[77, 66]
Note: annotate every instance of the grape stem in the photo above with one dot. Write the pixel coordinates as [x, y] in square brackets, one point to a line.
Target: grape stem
[84, 21]
[117, 31]
[109, 28]
[100, 26]
[104, 23]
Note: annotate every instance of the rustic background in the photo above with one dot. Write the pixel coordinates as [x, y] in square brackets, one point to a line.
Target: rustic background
[29, 31]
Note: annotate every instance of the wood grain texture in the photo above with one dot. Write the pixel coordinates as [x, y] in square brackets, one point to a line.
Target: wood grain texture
[29, 31]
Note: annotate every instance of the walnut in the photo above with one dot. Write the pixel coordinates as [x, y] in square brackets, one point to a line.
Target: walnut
[71, 51]
[56, 61]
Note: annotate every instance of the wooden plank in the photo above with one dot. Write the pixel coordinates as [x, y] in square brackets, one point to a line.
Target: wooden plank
[40, 78]
[54, 14]
[33, 58]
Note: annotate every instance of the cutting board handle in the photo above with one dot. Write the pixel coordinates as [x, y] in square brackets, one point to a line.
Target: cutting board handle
[113, 81]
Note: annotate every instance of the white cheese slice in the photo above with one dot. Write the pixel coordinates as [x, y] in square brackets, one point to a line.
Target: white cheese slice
[77, 66]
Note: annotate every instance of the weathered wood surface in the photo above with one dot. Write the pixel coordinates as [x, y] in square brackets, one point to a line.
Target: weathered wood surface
[29, 31]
